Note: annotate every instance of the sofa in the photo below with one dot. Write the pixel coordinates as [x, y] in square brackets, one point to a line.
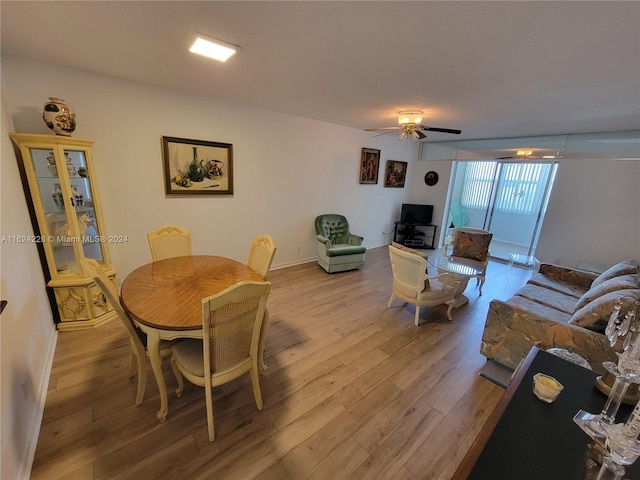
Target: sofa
[561, 307]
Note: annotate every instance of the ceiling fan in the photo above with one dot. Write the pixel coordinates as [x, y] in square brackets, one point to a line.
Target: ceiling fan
[410, 124]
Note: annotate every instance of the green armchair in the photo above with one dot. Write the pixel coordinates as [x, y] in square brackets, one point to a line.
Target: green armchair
[338, 250]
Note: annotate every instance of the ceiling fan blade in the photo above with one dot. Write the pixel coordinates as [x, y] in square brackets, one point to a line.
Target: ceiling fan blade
[384, 133]
[420, 135]
[381, 128]
[443, 130]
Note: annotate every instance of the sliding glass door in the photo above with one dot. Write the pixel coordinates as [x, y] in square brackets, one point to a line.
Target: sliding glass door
[508, 199]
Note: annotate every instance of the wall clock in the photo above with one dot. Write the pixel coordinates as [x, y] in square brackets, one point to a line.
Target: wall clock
[431, 178]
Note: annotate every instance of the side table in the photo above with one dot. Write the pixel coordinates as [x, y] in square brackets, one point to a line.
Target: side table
[527, 439]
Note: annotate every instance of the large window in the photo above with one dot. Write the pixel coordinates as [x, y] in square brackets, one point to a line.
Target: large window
[517, 187]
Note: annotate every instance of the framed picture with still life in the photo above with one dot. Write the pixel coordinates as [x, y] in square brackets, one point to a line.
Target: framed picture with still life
[395, 173]
[369, 163]
[197, 167]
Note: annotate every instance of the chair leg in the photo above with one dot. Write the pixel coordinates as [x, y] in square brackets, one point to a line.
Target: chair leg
[417, 320]
[263, 334]
[390, 301]
[451, 303]
[132, 364]
[178, 374]
[142, 376]
[481, 280]
[208, 394]
[255, 384]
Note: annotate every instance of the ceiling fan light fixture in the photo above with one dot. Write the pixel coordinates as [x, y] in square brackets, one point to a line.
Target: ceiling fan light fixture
[410, 118]
[415, 134]
[212, 48]
[524, 153]
[402, 135]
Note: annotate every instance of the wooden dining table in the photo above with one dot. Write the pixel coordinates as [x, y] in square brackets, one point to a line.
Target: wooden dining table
[164, 299]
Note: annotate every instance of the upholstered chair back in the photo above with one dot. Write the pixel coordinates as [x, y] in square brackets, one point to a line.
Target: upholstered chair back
[472, 243]
[333, 226]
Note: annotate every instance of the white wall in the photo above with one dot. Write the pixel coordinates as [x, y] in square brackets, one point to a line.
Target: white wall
[27, 335]
[287, 170]
[593, 213]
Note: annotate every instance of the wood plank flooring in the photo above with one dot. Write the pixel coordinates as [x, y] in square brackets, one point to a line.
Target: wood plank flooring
[353, 390]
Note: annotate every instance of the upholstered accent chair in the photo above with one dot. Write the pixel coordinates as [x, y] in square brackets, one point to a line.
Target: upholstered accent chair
[473, 244]
[338, 249]
[231, 323]
[413, 284]
[169, 241]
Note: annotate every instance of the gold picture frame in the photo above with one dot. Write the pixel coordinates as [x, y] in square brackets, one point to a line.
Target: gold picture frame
[395, 174]
[197, 167]
[369, 166]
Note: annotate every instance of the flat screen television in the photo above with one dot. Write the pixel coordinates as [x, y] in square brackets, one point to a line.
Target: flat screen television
[413, 213]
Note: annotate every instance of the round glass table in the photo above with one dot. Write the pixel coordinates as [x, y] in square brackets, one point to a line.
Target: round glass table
[462, 268]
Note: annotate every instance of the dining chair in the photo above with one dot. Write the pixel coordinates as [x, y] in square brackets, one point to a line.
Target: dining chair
[169, 241]
[261, 254]
[413, 284]
[137, 338]
[260, 257]
[473, 244]
[231, 325]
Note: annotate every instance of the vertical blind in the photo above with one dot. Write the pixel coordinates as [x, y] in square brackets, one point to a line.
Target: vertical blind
[519, 187]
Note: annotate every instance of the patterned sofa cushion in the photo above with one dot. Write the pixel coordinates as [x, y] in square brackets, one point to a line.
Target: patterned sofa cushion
[595, 314]
[622, 268]
[569, 281]
[548, 297]
[623, 282]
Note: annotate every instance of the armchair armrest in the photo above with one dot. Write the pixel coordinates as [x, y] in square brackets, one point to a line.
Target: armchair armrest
[569, 275]
[324, 240]
[354, 239]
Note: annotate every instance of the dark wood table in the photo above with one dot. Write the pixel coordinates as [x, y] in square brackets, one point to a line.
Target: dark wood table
[525, 438]
[164, 299]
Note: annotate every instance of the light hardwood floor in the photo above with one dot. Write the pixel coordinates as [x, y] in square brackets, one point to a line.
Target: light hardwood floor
[353, 390]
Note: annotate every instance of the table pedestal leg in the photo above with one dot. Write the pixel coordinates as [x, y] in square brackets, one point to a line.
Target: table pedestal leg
[460, 285]
[153, 348]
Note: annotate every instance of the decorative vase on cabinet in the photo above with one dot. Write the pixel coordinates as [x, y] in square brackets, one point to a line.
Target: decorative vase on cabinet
[67, 225]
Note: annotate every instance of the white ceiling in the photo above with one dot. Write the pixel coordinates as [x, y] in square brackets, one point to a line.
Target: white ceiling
[492, 69]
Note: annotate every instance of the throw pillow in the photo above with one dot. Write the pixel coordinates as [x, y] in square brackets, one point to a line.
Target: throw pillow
[622, 268]
[623, 282]
[471, 245]
[409, 250]
[595, 314]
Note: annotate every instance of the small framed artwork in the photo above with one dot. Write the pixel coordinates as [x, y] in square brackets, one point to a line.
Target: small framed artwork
[395, 174]
[197, 167]
[369, 164]
[431, 178]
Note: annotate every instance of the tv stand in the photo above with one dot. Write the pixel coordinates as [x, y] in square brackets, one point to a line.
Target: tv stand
[415, 234]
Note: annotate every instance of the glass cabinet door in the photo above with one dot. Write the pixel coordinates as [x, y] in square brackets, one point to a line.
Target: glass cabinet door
[82, 201]
[66, 194]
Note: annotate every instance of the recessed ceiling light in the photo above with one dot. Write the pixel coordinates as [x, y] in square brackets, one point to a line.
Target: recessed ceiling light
[212, 48]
